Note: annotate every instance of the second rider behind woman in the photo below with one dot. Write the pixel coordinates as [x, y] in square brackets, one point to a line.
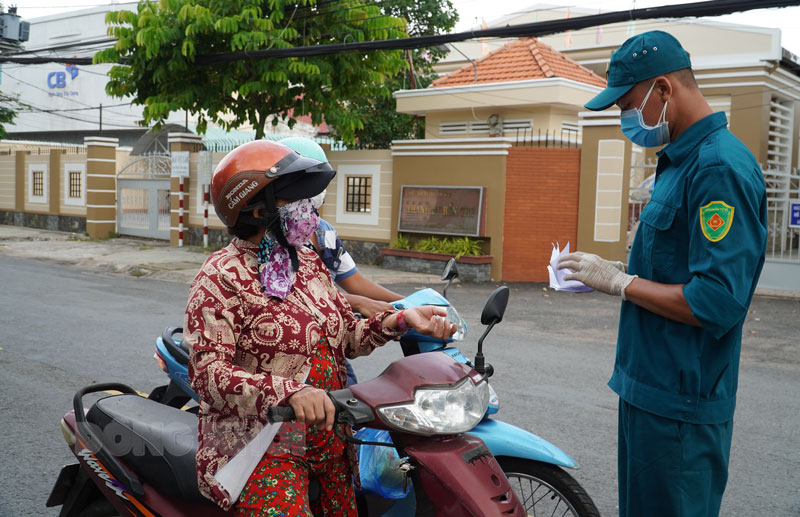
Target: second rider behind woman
[267, 327]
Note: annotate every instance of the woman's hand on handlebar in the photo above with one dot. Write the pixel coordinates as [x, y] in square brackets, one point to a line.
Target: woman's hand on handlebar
[426, 319]
[312, 406]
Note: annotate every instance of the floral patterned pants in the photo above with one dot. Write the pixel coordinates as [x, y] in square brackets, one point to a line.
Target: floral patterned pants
[279, 484]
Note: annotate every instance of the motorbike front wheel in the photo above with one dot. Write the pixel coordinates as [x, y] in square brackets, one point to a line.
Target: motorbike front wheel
[545, 489]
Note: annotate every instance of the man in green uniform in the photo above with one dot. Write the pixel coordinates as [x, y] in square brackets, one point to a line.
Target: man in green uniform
[694, 265]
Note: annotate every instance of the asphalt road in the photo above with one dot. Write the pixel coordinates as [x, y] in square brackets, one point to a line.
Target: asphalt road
[66, 327]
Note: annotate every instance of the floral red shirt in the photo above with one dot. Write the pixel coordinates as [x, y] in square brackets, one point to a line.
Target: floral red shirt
[250, 351]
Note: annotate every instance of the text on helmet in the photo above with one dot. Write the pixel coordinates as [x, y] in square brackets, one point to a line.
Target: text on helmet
[234, 200]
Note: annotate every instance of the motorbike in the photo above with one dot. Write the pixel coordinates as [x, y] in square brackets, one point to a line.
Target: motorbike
[534, 466]
[136, 454]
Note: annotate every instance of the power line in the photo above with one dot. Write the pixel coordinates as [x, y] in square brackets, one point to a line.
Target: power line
[86, 109]
[70, 98]
[708, 8]
[686, 10]
[37, 110]
[63, 46]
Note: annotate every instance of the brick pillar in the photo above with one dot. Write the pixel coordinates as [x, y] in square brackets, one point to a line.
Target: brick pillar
[604, 186]
[101, 186]
[180, 142]
[19, 181]
[55, 180]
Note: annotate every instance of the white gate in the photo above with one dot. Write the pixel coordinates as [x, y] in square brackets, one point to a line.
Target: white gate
[143, 197]
[782, 267]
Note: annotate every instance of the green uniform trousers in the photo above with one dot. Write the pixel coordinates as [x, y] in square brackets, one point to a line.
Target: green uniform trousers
[670, 468]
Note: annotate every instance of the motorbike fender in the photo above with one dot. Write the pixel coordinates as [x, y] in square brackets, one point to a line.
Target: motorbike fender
[461, 478]
[507, 440]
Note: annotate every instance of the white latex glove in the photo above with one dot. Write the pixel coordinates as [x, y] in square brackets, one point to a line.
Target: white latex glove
[599, 274]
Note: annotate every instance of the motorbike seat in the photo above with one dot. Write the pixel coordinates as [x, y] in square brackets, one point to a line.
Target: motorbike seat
[156, 441]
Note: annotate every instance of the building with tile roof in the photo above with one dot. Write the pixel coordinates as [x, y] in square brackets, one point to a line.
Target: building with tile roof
[524, 90]
[520, 60]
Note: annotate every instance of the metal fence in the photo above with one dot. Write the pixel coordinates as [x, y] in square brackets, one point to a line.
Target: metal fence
[46, 150]
[783, 190]
[225, 145]
[639, 196]
[555, 138]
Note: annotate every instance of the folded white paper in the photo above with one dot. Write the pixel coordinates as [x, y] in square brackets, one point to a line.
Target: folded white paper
[234, 475]
[557, 281]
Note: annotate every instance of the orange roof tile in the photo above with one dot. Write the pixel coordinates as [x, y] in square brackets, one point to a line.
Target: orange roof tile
[520, 60]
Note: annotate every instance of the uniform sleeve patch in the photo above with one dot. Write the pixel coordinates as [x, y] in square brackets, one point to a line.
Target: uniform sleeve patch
[716, 219]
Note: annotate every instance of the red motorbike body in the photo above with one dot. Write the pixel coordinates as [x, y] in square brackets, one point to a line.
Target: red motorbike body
[458, 473]
[453, 475]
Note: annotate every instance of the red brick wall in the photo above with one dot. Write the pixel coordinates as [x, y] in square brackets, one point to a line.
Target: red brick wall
[541, 208]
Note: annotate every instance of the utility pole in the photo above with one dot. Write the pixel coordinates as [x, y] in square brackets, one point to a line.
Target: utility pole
[13, 31]
[101, 116]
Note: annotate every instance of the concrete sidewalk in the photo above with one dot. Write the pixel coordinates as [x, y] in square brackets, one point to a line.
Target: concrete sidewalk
[143, 257]
[157, 259]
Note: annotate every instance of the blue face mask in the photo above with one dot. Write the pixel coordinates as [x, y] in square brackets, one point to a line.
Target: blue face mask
[634, 128]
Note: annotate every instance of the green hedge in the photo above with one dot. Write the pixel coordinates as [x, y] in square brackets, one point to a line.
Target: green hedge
[458, 246]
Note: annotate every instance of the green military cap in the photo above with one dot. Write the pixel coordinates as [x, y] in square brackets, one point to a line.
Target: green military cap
[641, 57]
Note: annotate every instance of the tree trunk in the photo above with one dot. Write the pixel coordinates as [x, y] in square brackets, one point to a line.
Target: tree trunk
[261, 121]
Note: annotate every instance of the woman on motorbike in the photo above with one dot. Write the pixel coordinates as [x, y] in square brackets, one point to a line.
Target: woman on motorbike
[266, 327]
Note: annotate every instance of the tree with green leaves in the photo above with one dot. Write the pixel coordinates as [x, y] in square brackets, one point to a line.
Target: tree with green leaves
[8, 111]
[158, 45]
[382, 122]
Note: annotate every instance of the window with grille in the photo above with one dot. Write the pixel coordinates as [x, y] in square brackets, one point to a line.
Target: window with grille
[75, 190]
[479, 126]
[452, 128]
[512, 125]
[38, 183]
[570, 125]
[359, 194]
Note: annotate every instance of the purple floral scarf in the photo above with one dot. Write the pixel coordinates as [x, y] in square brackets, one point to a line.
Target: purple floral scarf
[299, 220]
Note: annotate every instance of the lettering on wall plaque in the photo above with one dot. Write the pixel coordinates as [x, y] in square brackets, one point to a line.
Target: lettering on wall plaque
[441, 210]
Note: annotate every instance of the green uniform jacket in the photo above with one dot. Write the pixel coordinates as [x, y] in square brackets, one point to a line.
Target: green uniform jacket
[706, 227]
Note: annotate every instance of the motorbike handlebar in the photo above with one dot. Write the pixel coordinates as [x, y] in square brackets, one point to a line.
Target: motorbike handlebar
[349, 409]
[280, 414]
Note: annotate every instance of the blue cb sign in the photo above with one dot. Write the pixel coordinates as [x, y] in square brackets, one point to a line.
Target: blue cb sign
[59, 79]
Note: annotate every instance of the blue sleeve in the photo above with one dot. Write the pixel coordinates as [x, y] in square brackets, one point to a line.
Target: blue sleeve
[724, 269]
[346, 266]
[333, 253]
[324, 225]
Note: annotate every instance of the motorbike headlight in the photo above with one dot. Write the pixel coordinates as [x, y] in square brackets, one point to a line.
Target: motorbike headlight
[440, 410]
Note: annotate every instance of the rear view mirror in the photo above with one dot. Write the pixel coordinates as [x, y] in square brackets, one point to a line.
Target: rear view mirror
[450, 270]
[495, 306]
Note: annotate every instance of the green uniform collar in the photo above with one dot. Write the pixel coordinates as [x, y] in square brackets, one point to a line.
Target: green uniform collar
[679, 149]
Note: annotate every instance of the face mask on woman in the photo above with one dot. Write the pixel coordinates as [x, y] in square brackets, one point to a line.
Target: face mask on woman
[318, 200]
[299, 221]
[634, 128]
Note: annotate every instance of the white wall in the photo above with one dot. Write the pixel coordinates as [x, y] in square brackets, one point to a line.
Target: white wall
[56, 87]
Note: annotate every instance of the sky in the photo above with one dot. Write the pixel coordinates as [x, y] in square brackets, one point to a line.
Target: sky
[471, 12]
[787, 19]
